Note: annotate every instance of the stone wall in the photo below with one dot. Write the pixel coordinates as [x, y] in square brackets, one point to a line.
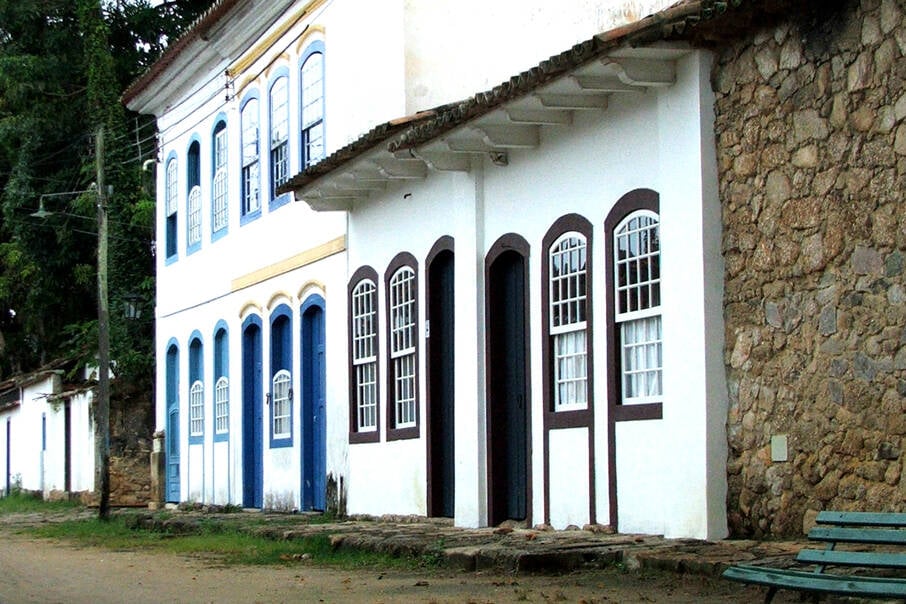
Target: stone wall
[811, 143]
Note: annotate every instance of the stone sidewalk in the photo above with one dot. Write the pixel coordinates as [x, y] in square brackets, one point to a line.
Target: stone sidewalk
[508, 549]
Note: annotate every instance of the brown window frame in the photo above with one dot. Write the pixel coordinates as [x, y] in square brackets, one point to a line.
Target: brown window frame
[401, 260]
[364, 273]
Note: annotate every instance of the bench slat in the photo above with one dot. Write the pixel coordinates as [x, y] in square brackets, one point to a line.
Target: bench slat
[889, 519]
[858, 535]
[816, 582]
[841, 558]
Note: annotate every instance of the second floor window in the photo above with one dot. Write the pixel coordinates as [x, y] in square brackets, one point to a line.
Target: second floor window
[251, 201]
[219, 185]
[193, 222]
[312, 109]
[279, 134]
[172, 206]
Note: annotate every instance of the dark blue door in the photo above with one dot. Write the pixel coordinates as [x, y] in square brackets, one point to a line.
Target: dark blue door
[252, 416]
[172, 430]
[313, 420]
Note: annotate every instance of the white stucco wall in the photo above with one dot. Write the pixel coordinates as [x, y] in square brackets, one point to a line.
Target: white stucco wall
[654, 140]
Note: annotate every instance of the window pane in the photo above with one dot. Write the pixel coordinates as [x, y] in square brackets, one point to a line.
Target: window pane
[642, 360]
[282, 404]
[222, 406]
[279, 112]
[312, 90]
[219, 200]
[250, 132]
[567, 286]
[570, 371]
[195, 215]
[172, 188]
[196, 409]
[637, 259]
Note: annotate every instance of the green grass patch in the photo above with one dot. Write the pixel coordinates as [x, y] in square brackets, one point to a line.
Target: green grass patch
[19, 502]
[222, 544]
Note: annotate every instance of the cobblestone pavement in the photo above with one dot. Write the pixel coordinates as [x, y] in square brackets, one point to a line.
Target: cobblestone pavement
[503, 548]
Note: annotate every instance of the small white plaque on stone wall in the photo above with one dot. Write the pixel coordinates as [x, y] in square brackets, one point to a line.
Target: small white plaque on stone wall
[779, 448]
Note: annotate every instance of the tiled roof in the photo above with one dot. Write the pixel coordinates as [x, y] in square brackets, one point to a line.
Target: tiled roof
[673, 23]
[197, 30]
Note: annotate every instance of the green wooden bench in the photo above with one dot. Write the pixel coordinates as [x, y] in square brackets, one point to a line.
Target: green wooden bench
[856, 529]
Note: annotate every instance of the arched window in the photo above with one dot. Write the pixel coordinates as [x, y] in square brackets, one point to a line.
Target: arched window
[568, 300]
[279, 133]
[221, 385]
[251, 201]
[220, 180]
[402, 348]
[171, 191]
[196, 390]
[635, 329]
[363, 346]
[313, 105]
[194, 197]
[281, 396]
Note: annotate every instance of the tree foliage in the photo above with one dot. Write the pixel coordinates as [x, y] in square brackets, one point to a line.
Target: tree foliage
[63, 64]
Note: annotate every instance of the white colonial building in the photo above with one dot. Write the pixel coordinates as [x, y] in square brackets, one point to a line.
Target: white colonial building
[507, 307]
[46, 435]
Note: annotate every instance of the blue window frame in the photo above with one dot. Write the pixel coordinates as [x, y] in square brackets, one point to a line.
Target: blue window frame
[312, 95]
[250, 187]
[281, 394]
[221, 382]
[220, 210]
[171, 207]
[193, 200]
[278, 128]
[196, 389]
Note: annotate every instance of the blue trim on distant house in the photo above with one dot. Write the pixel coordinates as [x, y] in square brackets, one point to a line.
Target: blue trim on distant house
[281, 336]
[172, 444]
[193, 178]
[245, 218]
[196, 373]
[221, 369]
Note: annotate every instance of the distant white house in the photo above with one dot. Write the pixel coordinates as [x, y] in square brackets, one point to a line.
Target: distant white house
[46, 435]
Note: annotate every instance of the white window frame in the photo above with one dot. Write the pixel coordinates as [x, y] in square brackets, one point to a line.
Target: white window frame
[279, 132]
[281, 399]
[172, 187]
[637, 311]
[364, 354]
[251, 183]
[568, 287]
[222, 405]
[196, 408]
[194, 218]
[313, 108]
[402, 322]
[220, 185]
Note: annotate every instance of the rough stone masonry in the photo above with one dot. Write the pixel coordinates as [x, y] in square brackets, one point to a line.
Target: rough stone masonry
[811, 143]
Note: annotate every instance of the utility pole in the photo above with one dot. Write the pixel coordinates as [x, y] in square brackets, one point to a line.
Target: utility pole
[102, 416]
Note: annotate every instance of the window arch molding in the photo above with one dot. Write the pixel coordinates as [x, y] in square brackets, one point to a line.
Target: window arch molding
[281, 378]
[571, 415]
[364, 356]
[221, 373]
[250, 157]
[402, 347]
[196, 383]
[638, 200]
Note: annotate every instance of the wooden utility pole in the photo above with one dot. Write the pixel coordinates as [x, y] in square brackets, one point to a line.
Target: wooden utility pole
[102, 417]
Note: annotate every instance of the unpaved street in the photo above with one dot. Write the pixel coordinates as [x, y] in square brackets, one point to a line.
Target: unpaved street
[37, 570]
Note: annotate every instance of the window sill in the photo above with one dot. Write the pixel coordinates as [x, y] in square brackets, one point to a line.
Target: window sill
[625, 413]
[576, 418]
[250, 217]
[281, 443]
[196, 440]
[403, 433]
[364, 437]
[222, 438]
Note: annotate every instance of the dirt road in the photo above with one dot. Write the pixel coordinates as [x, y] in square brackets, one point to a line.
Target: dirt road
[37, 570]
